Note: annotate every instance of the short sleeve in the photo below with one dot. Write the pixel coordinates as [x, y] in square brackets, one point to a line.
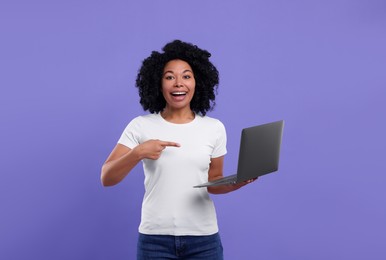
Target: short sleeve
[130, 136]
[221, 141]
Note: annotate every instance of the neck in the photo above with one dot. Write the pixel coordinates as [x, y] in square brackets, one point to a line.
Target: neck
[178, 116]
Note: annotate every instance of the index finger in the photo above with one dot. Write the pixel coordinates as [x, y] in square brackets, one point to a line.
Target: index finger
[167, 143]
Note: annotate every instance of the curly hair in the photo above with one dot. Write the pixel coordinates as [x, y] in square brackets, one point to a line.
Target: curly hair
[150, 74]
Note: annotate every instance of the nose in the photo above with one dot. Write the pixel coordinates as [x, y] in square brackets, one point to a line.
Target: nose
[178, 83]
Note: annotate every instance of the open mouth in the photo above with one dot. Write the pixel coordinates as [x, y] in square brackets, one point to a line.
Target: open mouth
[178, 93]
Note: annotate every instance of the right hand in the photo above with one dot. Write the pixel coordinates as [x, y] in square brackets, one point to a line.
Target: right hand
[152, 149]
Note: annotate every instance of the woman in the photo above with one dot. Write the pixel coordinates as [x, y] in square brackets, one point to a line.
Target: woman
[179, 147]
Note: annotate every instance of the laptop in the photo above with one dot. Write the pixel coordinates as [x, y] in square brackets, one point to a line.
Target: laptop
[258, 155]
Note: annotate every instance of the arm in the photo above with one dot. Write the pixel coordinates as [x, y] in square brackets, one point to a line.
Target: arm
[216, 172]
[119, 163]
[123, 159]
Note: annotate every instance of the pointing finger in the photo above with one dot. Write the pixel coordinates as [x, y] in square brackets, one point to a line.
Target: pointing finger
[167, 143]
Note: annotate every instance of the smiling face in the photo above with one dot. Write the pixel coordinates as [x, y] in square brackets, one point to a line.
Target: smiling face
[178, 85]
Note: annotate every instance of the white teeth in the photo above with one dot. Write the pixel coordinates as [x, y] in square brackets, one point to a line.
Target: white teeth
[178, 93]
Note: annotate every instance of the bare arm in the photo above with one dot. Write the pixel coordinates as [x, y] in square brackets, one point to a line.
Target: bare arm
[123, 159]
[216, 172]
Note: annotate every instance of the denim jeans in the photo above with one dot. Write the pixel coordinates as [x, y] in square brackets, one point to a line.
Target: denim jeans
[179, 247]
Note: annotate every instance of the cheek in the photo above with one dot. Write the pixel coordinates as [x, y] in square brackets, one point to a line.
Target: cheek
[164, 87]
[167, 84]
[193, 90]
[192, 87]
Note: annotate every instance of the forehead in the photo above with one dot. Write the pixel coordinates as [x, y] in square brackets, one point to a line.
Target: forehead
[177, 65]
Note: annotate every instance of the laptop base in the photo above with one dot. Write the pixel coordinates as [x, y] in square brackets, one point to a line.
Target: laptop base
[232, 179]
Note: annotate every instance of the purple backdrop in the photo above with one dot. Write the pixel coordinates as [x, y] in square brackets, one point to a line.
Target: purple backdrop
[67, 91]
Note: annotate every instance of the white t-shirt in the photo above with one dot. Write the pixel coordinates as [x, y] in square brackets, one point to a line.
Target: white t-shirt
[171, 206]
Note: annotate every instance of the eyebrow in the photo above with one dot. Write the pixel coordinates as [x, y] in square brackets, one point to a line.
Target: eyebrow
[170, 71]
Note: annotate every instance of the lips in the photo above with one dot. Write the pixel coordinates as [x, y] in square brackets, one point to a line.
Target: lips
[178, 93]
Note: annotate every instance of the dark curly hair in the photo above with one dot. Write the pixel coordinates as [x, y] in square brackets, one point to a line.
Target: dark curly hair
[149, 77]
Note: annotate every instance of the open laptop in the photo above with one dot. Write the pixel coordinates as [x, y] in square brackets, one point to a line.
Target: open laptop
[258, 155]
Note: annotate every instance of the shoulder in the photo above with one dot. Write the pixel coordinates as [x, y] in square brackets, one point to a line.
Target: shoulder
[143, 121]
[210, 121]
[213, 125]
[148, 118]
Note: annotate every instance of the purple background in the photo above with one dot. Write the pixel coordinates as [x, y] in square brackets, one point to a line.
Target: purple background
[67, 92]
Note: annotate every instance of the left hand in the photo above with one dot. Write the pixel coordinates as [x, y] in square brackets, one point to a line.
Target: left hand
[241, 184]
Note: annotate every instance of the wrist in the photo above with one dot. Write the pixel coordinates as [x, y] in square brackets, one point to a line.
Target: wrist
[137, 154]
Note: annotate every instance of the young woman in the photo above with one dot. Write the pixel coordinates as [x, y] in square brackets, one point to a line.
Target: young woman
[179, 147]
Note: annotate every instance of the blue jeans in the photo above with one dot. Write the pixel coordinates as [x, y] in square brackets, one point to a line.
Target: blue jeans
[179, 247]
